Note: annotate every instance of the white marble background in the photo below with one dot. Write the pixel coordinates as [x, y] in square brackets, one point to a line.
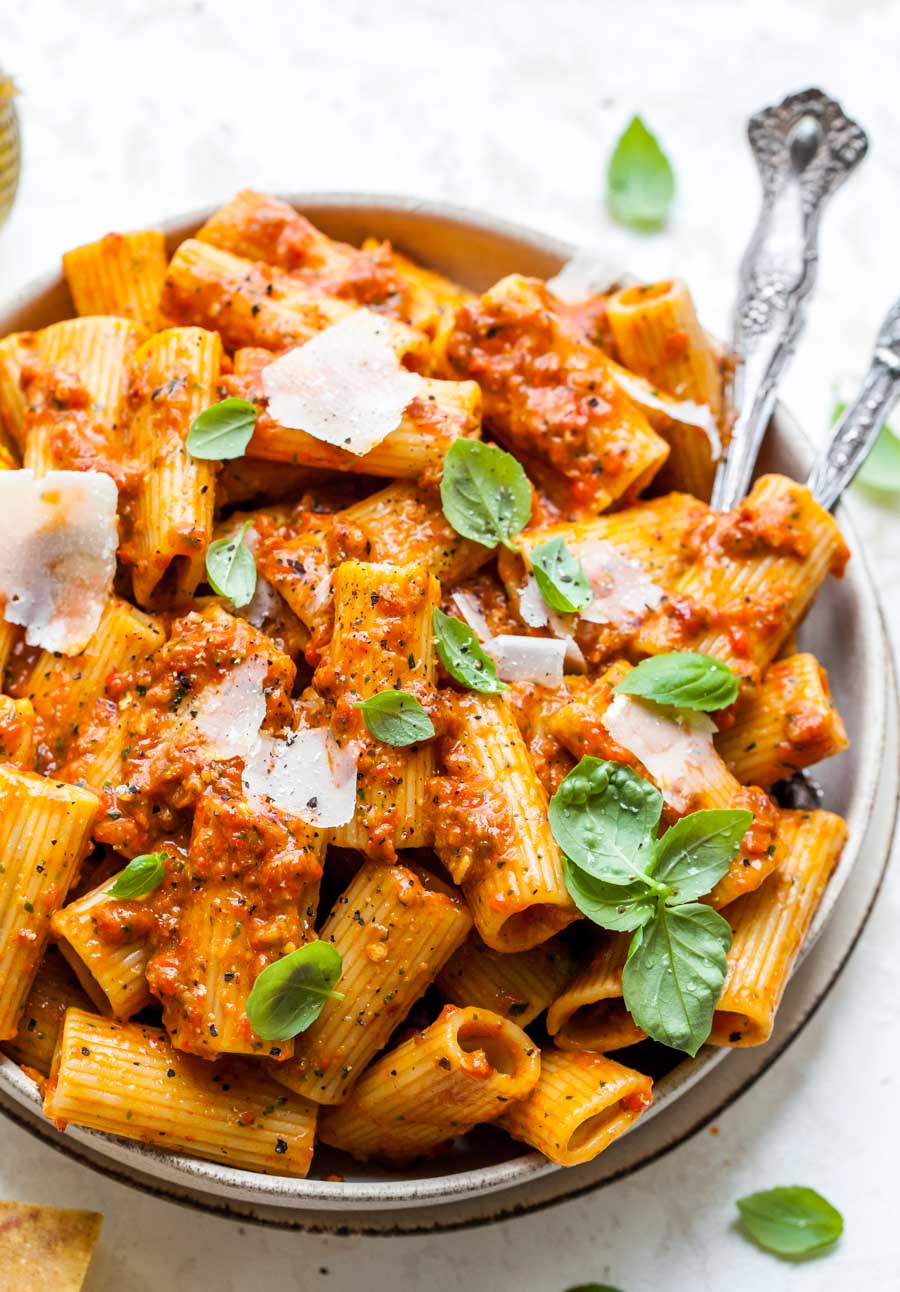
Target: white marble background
[134, 109]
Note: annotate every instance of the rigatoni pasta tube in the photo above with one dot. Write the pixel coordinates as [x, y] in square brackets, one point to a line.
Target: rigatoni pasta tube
[789, 723]
[518, 985]
[394, 928]
[581, 1103]
[382, 641]
[590, 1014]
[173, 379]
[108, 954]
[126, 1079]
[491, 831]
[44, 835]
[121, 273]
[54, 990]
[466, 1068]
[17, 733]
[770, 925]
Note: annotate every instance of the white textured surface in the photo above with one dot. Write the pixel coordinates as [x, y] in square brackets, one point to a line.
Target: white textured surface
[138, 108]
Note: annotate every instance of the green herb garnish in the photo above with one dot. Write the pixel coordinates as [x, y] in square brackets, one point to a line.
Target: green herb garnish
[560, 578]
[290, 994]
[640, 182]
[793, 1221]
[231, 569]
[140, 877]
[485, 493]
[459, 650]
[222, 431]
[683, 678]
[396, 717]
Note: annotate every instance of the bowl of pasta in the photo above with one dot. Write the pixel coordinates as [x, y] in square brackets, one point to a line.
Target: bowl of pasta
[405, 770]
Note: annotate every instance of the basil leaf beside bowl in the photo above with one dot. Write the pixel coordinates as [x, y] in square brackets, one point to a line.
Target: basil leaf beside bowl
[396, 717]
[559, 576]
[290, 994]
[222, 431]
[694, 854]
[791, 1221]
[231, 569]
[142, 876]
[640, 180]
[604, 817]
[686, 679]
[485, 493]
[459, 650]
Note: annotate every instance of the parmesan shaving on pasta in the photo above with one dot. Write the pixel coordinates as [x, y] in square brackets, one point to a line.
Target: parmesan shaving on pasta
[623, 591]
[306, 773]
[57, 555]
[230, 713]
[528, 659]
[675, 746]
[345, 387]
[684, 411]
[534, 611]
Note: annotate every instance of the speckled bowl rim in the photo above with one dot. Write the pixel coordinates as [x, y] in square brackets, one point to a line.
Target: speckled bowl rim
[31, 307]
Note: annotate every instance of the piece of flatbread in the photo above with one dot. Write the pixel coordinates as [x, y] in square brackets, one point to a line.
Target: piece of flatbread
[45, 1247]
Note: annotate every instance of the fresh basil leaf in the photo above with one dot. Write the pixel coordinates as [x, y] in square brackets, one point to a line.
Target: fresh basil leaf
[604, 817]
[290, 993]
[459, 650]
[560, 578]
[142, 876]
[222, 431]
[674, 974]
[396, 717]
[684, 678]
[485, 493]
[791, 1221]
[640, 181]
[695, 853]
[231, 569]
[620, 907]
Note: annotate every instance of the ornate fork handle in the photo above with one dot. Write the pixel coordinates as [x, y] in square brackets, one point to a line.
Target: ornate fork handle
[804, 148]
[858, 428]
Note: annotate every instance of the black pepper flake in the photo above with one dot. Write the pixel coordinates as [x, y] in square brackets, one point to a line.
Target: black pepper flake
[85, 1050]
[229, 975]
[444, 1063]
[170, 1072]
[281, 1146]
[212, 1030]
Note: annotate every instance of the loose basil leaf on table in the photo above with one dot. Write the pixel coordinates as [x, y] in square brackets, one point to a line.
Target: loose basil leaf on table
[460, 652]
[231, 569]
[559, 576]
[223, 430]
[687, 679]
[640, 180]
[396, 717]
[693, 855]
[791, 1221]
[290, 994]
[619, 907]
[142, 876]
[881, 469]
[604, 816]
[674, 974]
[485, 493]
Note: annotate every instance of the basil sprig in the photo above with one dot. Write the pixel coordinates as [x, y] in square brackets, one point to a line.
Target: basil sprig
[396, 717]
[142, 876]
[231, 569]
[223, 430]
[485, 493]
[684, 678]
[793, 1221]
[290, 994]
[459, 650]
[623, 877]
[562, 582]
[640, 181]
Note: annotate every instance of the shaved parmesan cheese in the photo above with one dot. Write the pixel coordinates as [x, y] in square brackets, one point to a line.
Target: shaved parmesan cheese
[675, 746]
[586, 274]
[468, 607]
[623, 591]
[58, 540]
[346, 386]
[306, 773]
[684, 411]
[534, 611]
[528, 659]
[230, 713]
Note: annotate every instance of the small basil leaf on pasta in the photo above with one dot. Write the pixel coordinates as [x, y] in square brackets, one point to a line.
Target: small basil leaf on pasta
[791, 1221]
[559, 576]
[459, 650]
[396, 717]
[485, 493]
[683, 678]
[620, 907]
[674, 974]
[223, 430]
[231, 569]
[693, 855]
[640, 181]
[290, 994]
[142, 876]
[604, 816]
